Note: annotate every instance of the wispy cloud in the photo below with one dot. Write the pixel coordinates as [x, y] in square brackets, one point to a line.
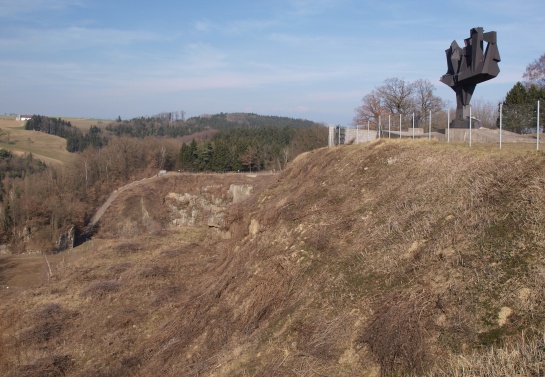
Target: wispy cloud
[13, 8]
[74, 38]
[301, 40]
[233, 27]
[308, 7]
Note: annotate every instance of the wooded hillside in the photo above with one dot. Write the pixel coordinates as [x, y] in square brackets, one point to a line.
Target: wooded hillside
[51, 200]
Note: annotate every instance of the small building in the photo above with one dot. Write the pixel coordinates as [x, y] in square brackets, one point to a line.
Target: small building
[23, 118]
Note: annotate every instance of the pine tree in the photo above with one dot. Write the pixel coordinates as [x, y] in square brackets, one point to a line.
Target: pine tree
[185, 158]
[517, 109]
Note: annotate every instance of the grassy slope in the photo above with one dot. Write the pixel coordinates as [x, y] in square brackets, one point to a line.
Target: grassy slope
[393, 256]
[48, 148]
[85, 123]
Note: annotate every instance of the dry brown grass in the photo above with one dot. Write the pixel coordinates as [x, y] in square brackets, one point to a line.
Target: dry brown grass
[393, 258]
[398, 334]
[520, 356]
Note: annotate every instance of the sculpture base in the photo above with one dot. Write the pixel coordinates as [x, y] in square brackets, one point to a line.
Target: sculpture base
[464, 123]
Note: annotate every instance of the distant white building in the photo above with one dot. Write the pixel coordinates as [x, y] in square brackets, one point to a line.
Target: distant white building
[22, 118]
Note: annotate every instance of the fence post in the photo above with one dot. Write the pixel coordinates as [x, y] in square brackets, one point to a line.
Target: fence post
[413, 126]
[400, 126]
[470, 126]
[368, 136]
[537, 127]
[501, 111]
[357, 133]
[448, 126]
[429, 128]
[388, 126]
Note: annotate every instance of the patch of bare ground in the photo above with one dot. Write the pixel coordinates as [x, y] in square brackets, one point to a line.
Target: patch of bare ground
[393, 258]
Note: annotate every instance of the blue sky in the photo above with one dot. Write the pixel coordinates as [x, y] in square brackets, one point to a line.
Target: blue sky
[312, 59]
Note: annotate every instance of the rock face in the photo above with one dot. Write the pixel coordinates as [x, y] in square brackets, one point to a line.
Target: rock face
[66, 239]
[206, 208]
[240, 192]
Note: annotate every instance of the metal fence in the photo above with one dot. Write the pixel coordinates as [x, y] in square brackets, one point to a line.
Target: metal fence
[408, 126]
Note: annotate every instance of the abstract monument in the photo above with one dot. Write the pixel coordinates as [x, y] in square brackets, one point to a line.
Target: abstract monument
[468, 67]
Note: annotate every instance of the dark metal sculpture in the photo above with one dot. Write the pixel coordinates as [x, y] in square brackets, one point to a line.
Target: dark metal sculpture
[468, 67]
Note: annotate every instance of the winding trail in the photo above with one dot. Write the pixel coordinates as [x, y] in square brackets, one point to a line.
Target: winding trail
[113, 196]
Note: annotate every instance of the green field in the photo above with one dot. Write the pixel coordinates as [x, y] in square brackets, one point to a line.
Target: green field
[85, 123]
[48, 148]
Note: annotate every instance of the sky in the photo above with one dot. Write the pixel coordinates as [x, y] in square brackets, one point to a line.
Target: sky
[310, 59]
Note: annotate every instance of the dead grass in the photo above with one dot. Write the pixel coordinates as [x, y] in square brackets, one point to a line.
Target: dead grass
[394, 258]
[520, 356]
[100, 289]
[48, 322]
[50, 366]
[398, 335]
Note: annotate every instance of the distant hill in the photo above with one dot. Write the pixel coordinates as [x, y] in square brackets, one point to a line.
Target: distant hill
[230, 141]
[166, 125]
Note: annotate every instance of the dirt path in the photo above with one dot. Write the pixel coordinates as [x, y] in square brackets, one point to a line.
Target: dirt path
[113, 196]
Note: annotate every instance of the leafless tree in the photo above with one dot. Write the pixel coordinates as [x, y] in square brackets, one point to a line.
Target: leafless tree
[535, 72]
[397, 95]
[425, 100]
[485, 111]
[370, 110]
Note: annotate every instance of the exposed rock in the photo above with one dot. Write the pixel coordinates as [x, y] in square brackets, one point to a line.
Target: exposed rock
[217, 220]
[503, 315]
[66, 239]
[209, 207]
[240, 192]
[254, 227]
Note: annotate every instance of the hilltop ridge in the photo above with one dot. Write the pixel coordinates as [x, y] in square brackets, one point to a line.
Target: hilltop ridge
[390, 258]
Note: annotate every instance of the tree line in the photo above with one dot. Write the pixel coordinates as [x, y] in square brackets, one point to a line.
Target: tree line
[399, 97]
[169, 125]
[250, 148]
[76, 141]
[237, 141]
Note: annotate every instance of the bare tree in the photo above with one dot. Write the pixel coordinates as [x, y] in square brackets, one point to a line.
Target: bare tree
[370, 110]
[535, 72]
[485, 111]
[397, 95]
[425, 100]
